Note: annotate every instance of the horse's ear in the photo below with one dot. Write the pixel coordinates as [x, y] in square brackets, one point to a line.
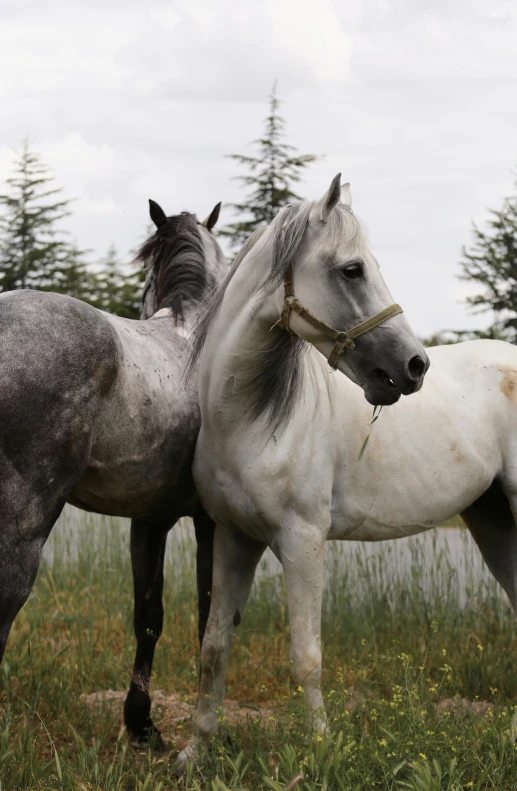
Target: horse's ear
[158, 215]
[331, 198]
[346, 195]
[212, 218]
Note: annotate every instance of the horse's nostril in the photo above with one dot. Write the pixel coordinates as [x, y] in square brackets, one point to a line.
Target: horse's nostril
[416, 368]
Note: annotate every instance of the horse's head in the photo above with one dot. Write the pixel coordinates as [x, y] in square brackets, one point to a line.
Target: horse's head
[333, 284]
[183, 261]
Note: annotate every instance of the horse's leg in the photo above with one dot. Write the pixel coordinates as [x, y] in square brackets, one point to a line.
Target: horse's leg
[235, 560]
[302, 556]
[22, 537]
[492, 524]
[205, 528]
[40, 461]
[148, 540]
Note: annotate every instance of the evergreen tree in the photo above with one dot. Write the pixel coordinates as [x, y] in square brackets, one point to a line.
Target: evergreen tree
[33, 252]
[272, 175]
[492, 263]
[119, 289]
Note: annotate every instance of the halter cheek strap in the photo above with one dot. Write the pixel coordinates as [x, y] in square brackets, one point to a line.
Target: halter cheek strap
[342, 339]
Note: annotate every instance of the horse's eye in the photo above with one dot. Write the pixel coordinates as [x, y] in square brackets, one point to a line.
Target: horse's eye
[352, 271]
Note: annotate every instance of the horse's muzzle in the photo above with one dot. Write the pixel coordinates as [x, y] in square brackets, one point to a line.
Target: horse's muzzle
[383, 388]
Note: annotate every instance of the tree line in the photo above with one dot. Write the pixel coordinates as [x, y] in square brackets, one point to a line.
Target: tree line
[36, 253]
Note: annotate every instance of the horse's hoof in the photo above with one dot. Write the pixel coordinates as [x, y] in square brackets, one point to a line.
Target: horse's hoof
[189, 754]
[149, 740]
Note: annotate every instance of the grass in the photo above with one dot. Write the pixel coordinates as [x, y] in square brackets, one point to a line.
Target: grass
[406, 625]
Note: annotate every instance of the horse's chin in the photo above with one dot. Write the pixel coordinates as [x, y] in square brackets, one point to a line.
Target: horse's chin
[380, 394]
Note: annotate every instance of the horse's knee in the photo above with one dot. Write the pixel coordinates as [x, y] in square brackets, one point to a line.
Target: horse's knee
[306, 664]
[211, 652]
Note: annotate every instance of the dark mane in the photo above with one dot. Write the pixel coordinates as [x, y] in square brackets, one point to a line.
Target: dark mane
[274, 373]
[275, 380]
[175, 260]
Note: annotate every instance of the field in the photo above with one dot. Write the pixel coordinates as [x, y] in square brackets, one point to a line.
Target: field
[419, 673]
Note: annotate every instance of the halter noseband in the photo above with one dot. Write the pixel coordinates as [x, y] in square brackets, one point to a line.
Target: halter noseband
[342, 339]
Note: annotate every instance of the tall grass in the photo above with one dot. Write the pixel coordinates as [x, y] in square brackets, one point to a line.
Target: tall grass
[406, 624]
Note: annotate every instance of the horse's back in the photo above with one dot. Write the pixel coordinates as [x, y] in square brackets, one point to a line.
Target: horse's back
[481, 373]
[481, 353]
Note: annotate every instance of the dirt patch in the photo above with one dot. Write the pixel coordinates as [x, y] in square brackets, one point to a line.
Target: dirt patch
[462, 705]
[173, 710]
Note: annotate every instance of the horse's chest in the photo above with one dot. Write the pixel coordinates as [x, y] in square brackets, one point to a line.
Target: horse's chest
[255, 487]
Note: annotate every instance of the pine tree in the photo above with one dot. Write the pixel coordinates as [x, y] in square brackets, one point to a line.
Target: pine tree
[492, 263]
[273, 173]
[119, 290]
[33, 253]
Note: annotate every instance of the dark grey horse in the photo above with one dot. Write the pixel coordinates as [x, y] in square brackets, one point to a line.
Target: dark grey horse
[95, 412]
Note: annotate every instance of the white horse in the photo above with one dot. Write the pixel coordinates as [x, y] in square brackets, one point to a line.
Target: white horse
[278, 460]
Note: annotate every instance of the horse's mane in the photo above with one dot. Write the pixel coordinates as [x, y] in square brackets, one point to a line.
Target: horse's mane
[174, 258]
[275, 373]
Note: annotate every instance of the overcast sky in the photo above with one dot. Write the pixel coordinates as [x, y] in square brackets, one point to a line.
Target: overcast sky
[415, 101]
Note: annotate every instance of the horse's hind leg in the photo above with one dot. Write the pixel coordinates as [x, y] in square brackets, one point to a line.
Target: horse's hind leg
[205, 529]
[148, 540]
[492, 524]
[27, 517]
[19, 562]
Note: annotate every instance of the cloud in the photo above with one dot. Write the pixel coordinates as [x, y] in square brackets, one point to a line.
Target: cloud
[414, 101]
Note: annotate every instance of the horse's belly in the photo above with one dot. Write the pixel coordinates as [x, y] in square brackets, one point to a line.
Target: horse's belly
[154, 482]
[115, 496]
[410, 498]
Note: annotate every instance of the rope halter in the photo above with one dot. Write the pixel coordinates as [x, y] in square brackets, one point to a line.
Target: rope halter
[343, 339]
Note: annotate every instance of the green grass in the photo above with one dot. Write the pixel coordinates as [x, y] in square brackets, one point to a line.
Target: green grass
[401, 632]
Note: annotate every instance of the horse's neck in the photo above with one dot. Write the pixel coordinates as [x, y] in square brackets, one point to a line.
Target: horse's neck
[238, 338]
